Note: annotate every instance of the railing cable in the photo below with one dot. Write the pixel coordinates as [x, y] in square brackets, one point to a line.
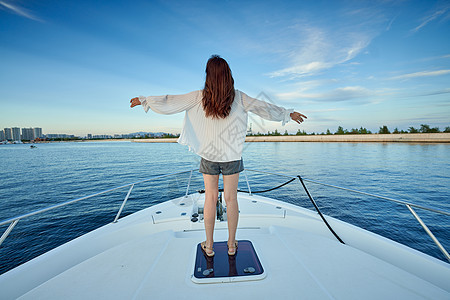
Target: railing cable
[13, 221]
[257, 192]
[318, 210]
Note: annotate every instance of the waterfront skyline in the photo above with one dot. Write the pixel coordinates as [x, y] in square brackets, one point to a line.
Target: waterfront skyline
[13, 134]
[73, 66]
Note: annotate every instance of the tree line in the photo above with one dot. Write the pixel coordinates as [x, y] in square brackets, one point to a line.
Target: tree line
[424, 128]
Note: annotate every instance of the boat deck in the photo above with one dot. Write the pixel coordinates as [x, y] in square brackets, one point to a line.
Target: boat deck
[151, 254]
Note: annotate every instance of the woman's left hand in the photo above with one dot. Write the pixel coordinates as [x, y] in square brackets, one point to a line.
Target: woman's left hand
[135, 102]
[298, 117]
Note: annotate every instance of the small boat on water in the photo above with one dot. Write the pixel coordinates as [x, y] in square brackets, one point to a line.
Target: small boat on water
[32, 146]
[285, 251]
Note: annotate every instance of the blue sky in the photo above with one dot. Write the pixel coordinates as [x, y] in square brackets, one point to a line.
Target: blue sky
[72, 66]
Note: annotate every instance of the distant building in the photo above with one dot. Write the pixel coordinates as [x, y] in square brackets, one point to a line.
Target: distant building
[15, 133]
[59, 136]
[89, 136]
[38, 132]
[249, 131]
[102, 136]
[8, 134]
[28, 134]
[52, 136]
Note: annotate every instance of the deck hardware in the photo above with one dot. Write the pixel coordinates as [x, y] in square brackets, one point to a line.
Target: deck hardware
[158, 212]
[207, 272]
[189, 183]
[219, 208]
[194, 219]
[183, 213]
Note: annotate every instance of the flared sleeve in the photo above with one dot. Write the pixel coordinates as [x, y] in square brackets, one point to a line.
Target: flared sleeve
[170, 104]
[266, 110]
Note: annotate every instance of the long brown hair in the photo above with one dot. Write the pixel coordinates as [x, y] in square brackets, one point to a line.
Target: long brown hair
[218, 94]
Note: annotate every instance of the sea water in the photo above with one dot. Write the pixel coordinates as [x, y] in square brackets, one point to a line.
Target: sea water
[32, 179]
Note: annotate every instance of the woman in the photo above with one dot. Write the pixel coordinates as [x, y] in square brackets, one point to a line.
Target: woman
[214, 127]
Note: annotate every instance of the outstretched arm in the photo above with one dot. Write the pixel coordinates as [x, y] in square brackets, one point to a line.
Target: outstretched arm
[270, 111]
[167, 104]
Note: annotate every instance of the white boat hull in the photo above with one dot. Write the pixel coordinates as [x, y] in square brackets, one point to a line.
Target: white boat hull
[150, 255]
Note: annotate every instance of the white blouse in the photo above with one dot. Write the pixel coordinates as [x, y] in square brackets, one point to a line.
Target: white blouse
[214, 139]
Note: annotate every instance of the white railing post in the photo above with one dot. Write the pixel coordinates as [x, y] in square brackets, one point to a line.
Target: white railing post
[427, 230]
[8, 230]
[123, 204]
[248, 185]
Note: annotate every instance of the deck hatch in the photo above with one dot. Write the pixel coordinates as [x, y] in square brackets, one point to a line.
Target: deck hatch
[244, 266]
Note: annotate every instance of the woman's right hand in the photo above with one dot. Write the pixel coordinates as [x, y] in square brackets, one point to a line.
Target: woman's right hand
[135, 102]
[298, 117]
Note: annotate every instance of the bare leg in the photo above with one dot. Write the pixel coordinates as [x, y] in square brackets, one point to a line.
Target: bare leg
[230, 184]
[209, 210]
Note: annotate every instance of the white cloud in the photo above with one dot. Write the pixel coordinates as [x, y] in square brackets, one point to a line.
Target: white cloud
[313, 84]
[19, 11]
[343, 94]
[421, 74]
[390, 23]
[319, 49]
[302, 69]
[443, 12]
[436, 92]
[445, 56]
[314, 47]
[325, 110]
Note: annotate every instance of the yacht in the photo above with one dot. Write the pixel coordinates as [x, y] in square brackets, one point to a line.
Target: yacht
[284, 251]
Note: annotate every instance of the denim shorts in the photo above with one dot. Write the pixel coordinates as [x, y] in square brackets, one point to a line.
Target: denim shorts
[226, 168]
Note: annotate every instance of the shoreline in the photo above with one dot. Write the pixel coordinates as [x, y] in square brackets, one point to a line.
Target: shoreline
[442, 137]
[426, 138]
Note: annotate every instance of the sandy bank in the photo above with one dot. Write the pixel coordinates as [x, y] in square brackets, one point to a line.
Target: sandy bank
[168, 140]
[347, 138]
